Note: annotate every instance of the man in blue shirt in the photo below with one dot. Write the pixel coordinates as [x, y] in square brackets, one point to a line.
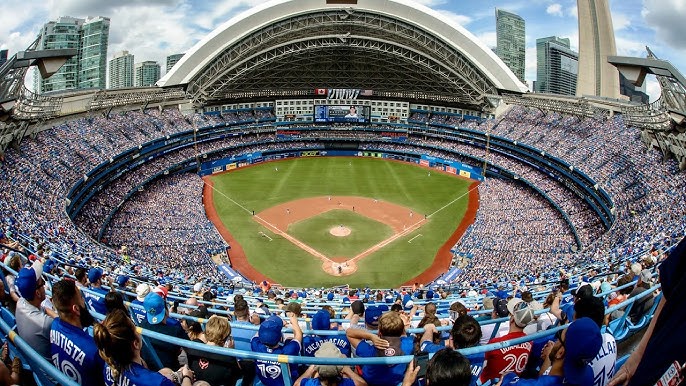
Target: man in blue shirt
[269, 340]
[570, 356]
[137, 308]
[73, 350]
[321, 321]
[391, 341]
[96, 300]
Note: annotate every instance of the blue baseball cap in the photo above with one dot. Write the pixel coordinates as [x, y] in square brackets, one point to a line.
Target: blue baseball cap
[270, 331]
[122, 280]
[321, 320]
[329, 296]
[155, 308]
[94, 274]
[372, 315]
[27, 280]
[582, 344]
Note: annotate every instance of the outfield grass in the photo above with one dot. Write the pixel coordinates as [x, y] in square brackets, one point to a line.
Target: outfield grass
[365, 233]
[260, 186]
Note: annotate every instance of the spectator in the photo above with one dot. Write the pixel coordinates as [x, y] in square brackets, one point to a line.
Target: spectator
[663, 342]
[497, 361]
[446, 368]
[391, 341]
[604, 362]
[569, 356]
[96, 298]
[329, 375]
[15, 264]
[142, 291]
[33, 324]
[193, 328]
[268, 340]
[119, 345]
[464, 333]
[115, 301]
[321, 321]
[73, 351]
[643, 305]
[499, 307]
[215, 369]
[157, 319]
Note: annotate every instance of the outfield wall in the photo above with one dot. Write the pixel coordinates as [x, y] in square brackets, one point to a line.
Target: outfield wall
[440, 164]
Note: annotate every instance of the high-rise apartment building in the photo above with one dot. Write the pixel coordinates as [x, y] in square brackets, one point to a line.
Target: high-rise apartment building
[87, 69]
[557, 66]
[146, 74]
[511, 42]
[121, 70]
[172, 60]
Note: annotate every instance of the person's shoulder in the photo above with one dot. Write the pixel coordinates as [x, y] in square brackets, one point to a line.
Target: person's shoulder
[364, 349]
[292, 347]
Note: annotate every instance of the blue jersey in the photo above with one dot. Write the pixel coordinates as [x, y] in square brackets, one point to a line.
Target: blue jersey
[96, 302]
[376, 375]
[136, 375]
[74, 353]
[318, 382]
[543, 380]
[137, 311]
[311, 344]
[269, 372]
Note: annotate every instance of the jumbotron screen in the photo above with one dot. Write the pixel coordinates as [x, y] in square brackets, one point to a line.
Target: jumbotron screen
[347, 113]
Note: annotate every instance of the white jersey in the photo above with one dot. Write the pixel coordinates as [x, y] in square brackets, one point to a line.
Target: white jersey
[487, 331]
[604, 363]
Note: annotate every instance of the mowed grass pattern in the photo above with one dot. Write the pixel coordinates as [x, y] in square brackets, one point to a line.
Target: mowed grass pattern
[260, 186]
[365, 233]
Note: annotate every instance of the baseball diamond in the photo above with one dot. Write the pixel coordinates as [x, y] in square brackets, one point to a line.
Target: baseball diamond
[382, 203]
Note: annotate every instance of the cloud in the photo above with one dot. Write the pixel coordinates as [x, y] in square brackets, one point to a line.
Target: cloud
[452, 17]
[573, 11]
[653, 88]
[667, 18]
[554, 9]
[489, 38]
[620, 21]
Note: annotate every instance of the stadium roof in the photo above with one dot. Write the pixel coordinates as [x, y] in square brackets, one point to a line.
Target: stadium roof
[392, 46]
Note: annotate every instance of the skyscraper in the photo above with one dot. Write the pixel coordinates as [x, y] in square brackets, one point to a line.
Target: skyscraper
[147, 73]
[511, 41]
[95, 34]
[121, 70]
[87, 69]
[556, 66]
[172, 60]
[596, 42]
[3, 56]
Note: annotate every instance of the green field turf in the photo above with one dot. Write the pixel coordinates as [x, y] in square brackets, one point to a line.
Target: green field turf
[261, 186]
[365, 233]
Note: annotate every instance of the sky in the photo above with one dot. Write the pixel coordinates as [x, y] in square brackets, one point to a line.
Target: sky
[153, 29]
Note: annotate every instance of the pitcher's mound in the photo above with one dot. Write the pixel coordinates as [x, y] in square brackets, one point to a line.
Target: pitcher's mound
[340, 231]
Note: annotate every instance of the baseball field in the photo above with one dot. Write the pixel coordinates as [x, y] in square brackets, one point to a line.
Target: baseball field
[311, 222]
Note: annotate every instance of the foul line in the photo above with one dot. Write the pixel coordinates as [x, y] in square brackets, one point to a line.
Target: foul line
[453, 201]
[265, 235]
[410, 240]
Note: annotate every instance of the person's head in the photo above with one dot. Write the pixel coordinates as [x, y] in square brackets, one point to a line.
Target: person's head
[626, 279]
[117, 341]
[458, 308]
[155, 308]
[30, 284]
[321, 320]
[114, 301]
[500, 308]
[371, 317]
[294, 308]
[329, 372]
[430, 308]
[527, 296]
[591, 307]
[142, 291]
[15, 262]
[520, 314]
[466, 332]
[391, 325]
[575, 348]
[270, 331]
[69, 303]
[81, 275]
[94, 276]
[192, 327]
[353, 110]
[549, 300]
[448, 368]
[564, 285]
[218, 330]
[240, 310]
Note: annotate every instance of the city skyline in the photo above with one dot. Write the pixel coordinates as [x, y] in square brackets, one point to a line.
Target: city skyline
[637, 23]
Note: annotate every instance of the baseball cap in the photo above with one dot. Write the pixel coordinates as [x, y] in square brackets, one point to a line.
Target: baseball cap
[154, 308]
[520, 310]
[197, 287]
[646, 276]
[27, 280]
[142, 291]
[582, 343]
[321, 320]
[488, 303]
[329, 296]
[329, 350]
[636, 269]
[94, 274]
[270, 331]
[161, 290]
[357, 307]
[372, 315]
[122, 280]
[500, 307]
[584, 290]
